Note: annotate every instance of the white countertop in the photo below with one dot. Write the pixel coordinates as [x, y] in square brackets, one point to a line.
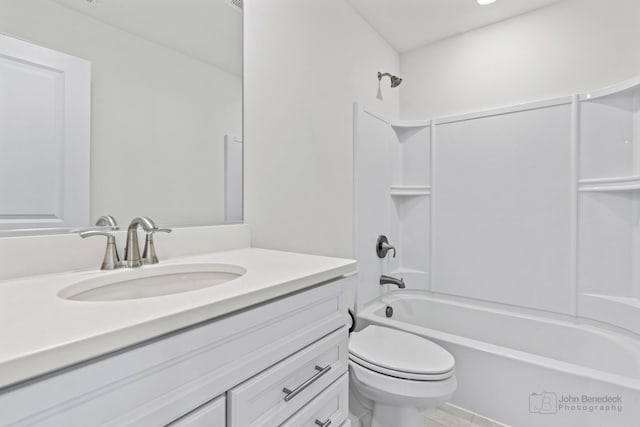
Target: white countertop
[41, 332]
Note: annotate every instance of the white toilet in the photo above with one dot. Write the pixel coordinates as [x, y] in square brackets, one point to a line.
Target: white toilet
[395, 376]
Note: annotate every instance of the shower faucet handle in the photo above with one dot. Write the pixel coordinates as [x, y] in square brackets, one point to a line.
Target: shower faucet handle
[383, 246]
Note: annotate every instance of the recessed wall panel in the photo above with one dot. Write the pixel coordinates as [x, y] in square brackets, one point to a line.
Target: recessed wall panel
[45, 136]
[31, 126]
[502, 209]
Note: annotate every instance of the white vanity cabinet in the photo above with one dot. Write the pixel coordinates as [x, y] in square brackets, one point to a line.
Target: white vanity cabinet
[270, 364]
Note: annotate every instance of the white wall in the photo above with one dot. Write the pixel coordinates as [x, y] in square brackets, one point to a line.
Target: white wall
[158, 117]
[306, 62]
[571, 47]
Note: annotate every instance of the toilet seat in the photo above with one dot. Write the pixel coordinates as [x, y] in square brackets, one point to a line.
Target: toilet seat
[399, 374]
[400, 354]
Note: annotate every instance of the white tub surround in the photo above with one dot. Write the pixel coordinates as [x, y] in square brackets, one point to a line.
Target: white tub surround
[505, 358]
[533, 205]
[467, 204]
[41, 332]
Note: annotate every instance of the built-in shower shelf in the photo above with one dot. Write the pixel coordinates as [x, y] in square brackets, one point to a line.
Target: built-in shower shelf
[627, 301]
[410, 191]
[629, 88]
[629, 183]
[410, 125]
[405, 270]
[616, 310]
[411, 132]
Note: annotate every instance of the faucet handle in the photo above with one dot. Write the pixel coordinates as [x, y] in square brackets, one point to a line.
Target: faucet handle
[383, 246]
[111, 259]
[149, 252]
[107, 221]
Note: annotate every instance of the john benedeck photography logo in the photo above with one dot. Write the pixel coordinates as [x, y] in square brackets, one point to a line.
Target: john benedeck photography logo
[547, 402]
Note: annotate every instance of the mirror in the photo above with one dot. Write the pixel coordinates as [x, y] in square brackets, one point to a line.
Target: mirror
[154, 128]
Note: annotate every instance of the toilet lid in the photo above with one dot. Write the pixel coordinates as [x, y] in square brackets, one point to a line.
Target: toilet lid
[400, 351]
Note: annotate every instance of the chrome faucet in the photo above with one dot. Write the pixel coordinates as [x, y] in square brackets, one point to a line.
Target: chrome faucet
[132, 249]
[388, 280]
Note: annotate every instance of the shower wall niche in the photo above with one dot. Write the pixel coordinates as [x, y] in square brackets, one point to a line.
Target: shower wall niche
[410, 197]
[609, 206]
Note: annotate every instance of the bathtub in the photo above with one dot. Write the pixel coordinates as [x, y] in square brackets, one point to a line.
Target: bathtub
[521, 369]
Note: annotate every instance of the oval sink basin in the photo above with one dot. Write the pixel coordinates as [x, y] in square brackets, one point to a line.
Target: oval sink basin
[152, 281]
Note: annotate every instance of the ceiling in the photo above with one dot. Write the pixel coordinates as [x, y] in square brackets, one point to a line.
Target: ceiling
[209, 30]
[408, 24]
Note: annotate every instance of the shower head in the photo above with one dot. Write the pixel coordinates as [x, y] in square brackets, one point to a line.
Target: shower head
[395, 80]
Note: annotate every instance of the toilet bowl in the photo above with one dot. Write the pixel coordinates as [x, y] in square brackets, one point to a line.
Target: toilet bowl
[395, 376]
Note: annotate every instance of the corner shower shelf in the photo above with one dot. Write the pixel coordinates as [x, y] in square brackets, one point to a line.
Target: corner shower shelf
[410, 191]
[410, 125]
[626, 301]
[619, 311]
[405, 270]
[630, 87]
[628, 183]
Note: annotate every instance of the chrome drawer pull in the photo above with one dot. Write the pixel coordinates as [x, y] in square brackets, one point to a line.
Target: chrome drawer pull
[290, 394]
[324, 424]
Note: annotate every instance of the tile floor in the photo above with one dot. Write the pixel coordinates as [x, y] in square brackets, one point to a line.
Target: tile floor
[452, 416]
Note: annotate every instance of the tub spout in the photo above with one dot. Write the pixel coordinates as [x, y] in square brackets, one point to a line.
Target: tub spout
[388, 280]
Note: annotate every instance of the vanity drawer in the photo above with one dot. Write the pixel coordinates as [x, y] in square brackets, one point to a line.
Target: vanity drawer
[329, 408]
[212, 414]
[271, 397]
